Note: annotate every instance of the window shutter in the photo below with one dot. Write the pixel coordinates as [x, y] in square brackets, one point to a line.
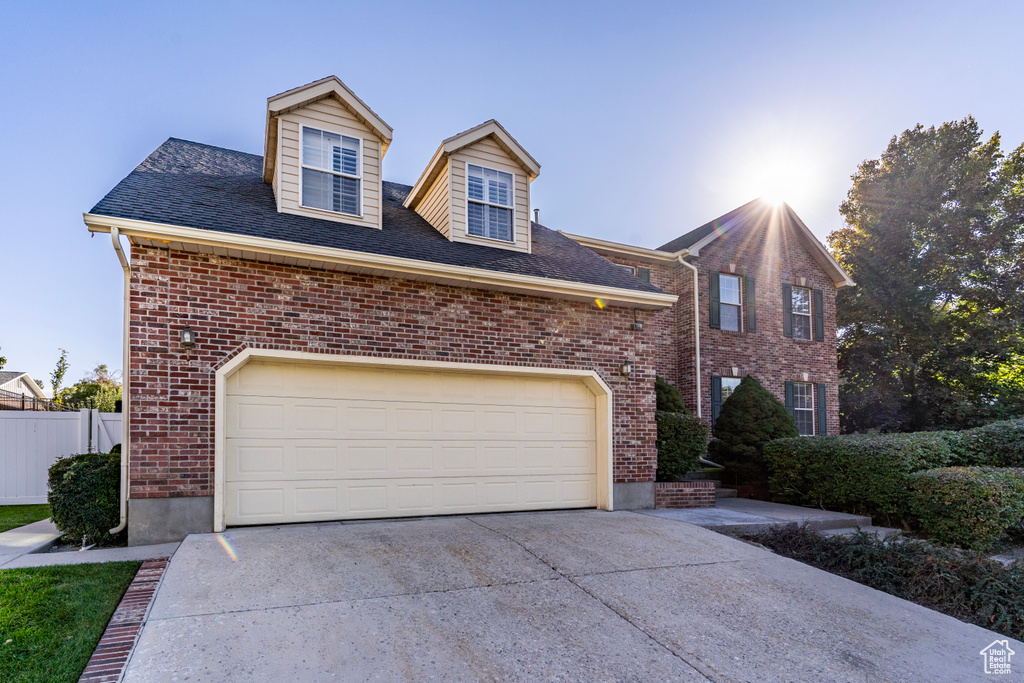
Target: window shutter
[716, 397]
[787, 311]
[750, 296]
[790, 400]
[819, 316]
[644, 274]
[822, 412]
[715, 320]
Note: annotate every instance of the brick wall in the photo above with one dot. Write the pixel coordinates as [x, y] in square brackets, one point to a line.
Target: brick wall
[232, 304]
[684, 494]
[773, 255]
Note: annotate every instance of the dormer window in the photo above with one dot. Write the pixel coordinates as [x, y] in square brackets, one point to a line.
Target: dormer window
[331, 172]
[490, 196]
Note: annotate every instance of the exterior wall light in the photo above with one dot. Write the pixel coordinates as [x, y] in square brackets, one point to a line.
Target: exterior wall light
[626, 369]
[188, 339]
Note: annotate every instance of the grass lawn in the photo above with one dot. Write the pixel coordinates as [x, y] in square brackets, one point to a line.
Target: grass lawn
[52, 617]
[13, 516]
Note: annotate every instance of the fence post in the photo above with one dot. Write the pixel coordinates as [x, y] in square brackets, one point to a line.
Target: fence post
[84, 431]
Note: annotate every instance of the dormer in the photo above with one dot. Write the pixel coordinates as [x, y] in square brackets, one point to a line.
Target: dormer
[323, 153]
[476, 189]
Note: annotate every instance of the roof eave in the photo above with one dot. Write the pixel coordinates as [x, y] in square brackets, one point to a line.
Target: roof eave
[618, 249]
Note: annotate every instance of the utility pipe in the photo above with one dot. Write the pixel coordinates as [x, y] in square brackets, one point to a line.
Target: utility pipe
[115, 237]
[696, 324]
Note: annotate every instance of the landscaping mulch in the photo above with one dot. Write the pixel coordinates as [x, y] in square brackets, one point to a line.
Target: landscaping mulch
[113, 651]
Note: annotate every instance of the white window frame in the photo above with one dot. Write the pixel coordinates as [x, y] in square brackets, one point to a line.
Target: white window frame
[809, 314]
[721, 303]
[358, 176]
[515, 181]
[630, 269]
[737, 379]
[804, 410]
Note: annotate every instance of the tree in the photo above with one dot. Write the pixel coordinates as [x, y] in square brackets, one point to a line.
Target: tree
[931, 336]
[748, 419]
[100, 389]
[668, 398]
[3, 362]
[57, 376]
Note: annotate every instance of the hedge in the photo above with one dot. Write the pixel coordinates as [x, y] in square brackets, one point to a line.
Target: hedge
[866, 474]
[999, 444]
[968, 506]
[682, 440]
[85, 495]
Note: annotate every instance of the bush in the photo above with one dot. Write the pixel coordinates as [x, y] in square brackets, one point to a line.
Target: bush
[750, 418]
[867, 474]
[668, 397]
[1000, 444]
[682, 440]
[968, 506]
[965, 585]
[85, 495]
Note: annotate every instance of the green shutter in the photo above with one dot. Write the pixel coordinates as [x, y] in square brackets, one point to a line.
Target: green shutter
[819, 316]
[822, 411]
[716, 397]
[750, 301]
[644, 274]
[715, 320]
[790, 399]
[787, 310]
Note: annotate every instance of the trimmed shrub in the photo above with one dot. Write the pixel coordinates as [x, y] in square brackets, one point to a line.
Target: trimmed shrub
[968, 506]
[85, 495]
[668, 397]
[1000, 444]
[867, 474]
[962, 584]
[682, 440]
[749, 418]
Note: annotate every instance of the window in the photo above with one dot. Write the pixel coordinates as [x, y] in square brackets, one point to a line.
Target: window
[629, 269]
[331, 177]
[729, 385]
[801, 307]
[731, 302]
[803, 407]
[489, 209]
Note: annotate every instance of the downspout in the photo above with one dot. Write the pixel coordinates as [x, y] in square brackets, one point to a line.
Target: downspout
[115, 237]
[696, 325]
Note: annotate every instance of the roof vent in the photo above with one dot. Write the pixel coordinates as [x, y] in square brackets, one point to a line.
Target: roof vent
[536, 216]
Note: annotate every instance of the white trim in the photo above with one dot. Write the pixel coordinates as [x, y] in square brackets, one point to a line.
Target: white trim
[607, 247]
[814, 431]
[304, 165]
[390, 266]
[31, 383]
[602, 393]
[809, 315]
[465, 192]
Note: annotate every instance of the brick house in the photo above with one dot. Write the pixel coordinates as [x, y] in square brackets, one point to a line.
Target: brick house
[305, 341]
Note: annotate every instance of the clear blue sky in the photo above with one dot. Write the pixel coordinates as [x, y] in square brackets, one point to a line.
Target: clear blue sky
[648, 119]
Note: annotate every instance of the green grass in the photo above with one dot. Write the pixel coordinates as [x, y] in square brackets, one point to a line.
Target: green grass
[13, 516]
[52, 617]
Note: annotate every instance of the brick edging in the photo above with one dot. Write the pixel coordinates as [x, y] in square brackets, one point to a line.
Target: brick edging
[684, 494]
[118, 640]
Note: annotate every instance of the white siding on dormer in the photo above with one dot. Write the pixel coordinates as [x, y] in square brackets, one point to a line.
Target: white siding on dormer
[435, 205]
[328, 115]
[487, 154]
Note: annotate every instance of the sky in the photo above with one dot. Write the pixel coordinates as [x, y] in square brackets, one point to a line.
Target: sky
[648, 119]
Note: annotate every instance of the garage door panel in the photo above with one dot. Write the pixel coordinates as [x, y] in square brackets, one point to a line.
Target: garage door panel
[314, 442]
[300, 459]
[275, 502]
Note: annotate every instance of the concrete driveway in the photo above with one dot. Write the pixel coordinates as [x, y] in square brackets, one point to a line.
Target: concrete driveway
[565, 596]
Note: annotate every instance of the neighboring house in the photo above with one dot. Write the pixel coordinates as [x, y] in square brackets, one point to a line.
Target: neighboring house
[15, 384]
[766, 307]
[309, 342]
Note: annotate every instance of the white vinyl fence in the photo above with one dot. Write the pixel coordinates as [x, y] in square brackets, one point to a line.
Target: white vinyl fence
[31, 441]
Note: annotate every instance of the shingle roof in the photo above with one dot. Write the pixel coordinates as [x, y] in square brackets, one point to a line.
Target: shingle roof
[193, 185]
[755, 209]
[7, 375]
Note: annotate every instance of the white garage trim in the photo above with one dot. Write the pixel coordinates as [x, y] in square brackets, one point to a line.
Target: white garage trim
[593, 381]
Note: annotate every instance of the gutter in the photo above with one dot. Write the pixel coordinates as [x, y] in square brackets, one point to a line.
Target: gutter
[115, 237]
[696, 324]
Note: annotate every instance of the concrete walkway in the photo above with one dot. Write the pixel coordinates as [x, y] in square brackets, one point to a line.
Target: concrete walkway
[745, 515]
[571, 596]
[133, 553]
[31, 538]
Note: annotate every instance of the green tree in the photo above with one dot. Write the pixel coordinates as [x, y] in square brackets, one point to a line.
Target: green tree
[3, 362]
[668, 398]
[100, 389]
[931, 335]
[57, 376]
[749, 418]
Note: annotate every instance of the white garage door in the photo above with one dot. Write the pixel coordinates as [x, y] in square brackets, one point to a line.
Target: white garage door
[309, 442]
